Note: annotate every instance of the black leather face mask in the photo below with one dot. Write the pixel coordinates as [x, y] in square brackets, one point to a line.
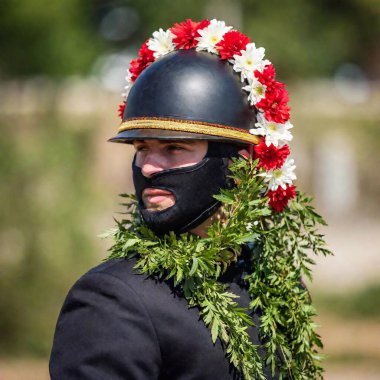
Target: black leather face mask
[193, 188]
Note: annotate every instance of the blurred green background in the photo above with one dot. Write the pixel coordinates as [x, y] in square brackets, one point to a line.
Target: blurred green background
[62, 70]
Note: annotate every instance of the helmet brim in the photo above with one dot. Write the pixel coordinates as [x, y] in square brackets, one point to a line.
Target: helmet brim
[127, 137]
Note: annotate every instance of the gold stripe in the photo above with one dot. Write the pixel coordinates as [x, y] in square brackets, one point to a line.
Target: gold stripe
[189, 126]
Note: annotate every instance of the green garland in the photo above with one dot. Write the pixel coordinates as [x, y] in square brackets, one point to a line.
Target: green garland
[285, 239]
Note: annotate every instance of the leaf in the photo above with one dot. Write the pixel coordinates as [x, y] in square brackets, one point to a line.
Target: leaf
[214, 329]
[251, 237]
[188, 287]
[108, 233]
[130, 243]
[194, 266]
[224, 198]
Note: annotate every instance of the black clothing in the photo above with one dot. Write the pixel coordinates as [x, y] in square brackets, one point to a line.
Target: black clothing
[117, 324]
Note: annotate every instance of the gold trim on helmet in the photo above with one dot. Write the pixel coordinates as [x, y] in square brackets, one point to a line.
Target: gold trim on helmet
[188, 126]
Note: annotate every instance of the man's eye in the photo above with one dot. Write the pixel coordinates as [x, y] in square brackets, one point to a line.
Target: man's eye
[140, 148]
[173, 148]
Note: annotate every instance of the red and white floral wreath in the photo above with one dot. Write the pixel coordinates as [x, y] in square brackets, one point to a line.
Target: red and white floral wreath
[268, 96]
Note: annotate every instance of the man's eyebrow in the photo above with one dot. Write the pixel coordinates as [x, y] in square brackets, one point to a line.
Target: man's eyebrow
[189, 142]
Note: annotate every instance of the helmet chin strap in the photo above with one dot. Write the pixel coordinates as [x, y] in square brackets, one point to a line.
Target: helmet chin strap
[193, 187]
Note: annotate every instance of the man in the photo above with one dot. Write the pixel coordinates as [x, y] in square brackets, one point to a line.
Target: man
[188, 118]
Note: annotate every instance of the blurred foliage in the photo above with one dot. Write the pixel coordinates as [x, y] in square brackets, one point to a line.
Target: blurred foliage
[48, 200]
[313, 37]
[49, 37]
[302, 37]
[358, 304]
[45, 242]
[357, 358]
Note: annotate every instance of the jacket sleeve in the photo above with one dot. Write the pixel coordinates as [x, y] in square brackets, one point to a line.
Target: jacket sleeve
[104, 332]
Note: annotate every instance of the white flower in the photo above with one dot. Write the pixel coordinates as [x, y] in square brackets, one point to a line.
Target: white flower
[256, 90]
[251, 59]
[161, 43]
[281, 177]
[211, 35]
[250, 225]
[128, 86]
[275, 133]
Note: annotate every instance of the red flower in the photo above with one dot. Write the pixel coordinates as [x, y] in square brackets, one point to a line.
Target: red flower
[267, 76]
[231, 44]
[279, 198]
[139, 64]
[186, 33]
[270, 157]
[275, 103]
[136, 67]
[121, 109]
[145, 53]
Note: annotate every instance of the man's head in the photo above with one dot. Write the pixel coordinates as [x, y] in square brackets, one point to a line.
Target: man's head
[186, 116]
[193, 105]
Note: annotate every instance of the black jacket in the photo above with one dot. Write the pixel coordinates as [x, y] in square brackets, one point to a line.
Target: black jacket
[117, 324]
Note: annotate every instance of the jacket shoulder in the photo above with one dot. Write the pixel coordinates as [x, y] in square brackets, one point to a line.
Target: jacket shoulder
[123, 270]
[103, 321]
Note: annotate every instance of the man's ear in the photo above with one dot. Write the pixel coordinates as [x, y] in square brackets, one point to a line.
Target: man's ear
[244, 153]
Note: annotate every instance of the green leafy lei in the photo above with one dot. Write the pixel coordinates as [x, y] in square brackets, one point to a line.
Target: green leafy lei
[286, 241]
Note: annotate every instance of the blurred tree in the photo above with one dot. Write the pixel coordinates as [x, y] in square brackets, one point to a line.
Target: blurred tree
[152, 15]
[46, 192]
[313, 37]
[45, 240]
[303, 37]
[49, 37]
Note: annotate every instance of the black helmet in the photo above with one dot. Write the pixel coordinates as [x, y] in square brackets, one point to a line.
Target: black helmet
[188, 94]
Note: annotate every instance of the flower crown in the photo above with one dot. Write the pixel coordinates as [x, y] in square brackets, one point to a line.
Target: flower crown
[268, 96]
